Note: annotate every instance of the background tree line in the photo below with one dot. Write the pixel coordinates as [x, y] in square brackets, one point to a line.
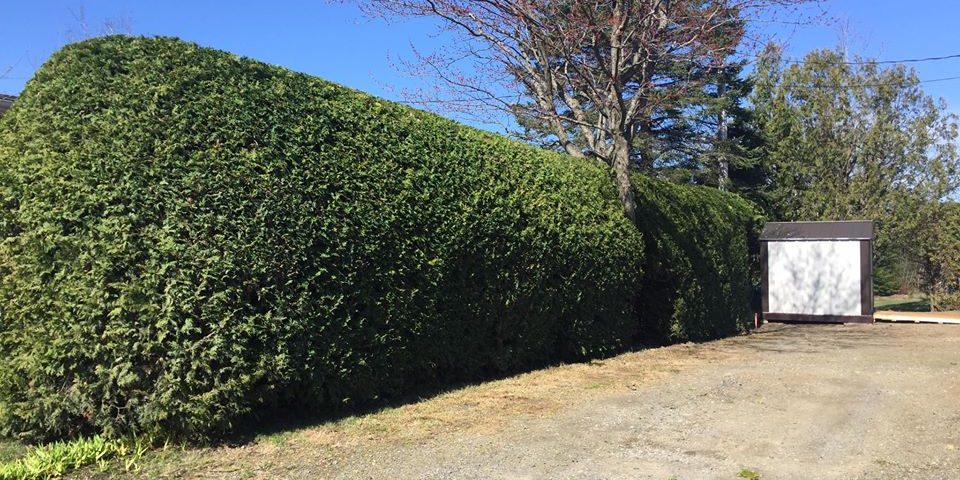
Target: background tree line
[672, 89]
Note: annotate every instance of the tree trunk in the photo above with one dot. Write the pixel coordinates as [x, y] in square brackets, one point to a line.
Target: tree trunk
[621, 171]
[724, 175]
[572, 149]
[647, 160]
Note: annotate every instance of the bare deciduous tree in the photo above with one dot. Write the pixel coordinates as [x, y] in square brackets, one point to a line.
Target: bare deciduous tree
[591, 72]
[119, 25]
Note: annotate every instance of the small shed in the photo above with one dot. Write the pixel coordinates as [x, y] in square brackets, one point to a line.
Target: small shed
[817, 271]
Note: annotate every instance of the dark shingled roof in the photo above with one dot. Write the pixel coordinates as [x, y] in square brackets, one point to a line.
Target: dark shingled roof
[850, 230]
[5, 102]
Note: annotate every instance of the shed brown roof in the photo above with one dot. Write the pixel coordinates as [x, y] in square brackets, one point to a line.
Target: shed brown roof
[5, 102]
[846, 230]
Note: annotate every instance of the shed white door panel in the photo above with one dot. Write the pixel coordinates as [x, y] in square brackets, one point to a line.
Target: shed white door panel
[814, 278]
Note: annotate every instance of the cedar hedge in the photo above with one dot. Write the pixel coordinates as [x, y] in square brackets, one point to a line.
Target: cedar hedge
[701, 277]
[189, 236]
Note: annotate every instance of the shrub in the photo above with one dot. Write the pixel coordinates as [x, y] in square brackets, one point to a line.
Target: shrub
[700, 276]
[189, 236]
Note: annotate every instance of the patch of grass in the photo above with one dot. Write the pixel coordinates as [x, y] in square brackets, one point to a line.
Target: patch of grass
[11, 450]
[169, 461]
[55, 459]
[748, 474]
[903, 303]
[278, 439]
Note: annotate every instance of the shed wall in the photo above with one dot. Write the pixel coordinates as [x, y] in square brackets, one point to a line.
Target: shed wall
[814, 277]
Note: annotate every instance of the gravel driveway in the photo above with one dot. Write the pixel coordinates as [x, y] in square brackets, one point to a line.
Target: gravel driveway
[788, 401]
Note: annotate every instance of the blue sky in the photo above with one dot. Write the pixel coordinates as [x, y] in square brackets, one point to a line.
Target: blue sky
[335, 42]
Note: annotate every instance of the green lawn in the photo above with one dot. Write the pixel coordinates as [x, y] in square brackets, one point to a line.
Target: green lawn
[915, 302]
[11, 450]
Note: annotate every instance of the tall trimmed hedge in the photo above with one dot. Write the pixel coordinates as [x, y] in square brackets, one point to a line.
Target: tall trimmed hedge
[187, 236]
[701, 274]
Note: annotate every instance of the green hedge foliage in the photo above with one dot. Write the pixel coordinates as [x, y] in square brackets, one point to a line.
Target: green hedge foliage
[701, 276]
[187, 236]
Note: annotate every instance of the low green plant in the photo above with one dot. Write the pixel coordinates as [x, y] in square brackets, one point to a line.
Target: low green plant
[56, 459]
[748, 474]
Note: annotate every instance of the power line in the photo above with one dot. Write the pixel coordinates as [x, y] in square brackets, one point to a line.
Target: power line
[508, 98]
[876, 85]
[944, 79]
[884, 62]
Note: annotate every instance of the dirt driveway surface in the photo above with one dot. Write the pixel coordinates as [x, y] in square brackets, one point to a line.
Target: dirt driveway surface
[788, 401]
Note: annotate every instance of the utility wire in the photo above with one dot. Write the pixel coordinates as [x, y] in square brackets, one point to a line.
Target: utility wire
[799, 85]
[884, 62]
[944, 79]
[877, 85]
